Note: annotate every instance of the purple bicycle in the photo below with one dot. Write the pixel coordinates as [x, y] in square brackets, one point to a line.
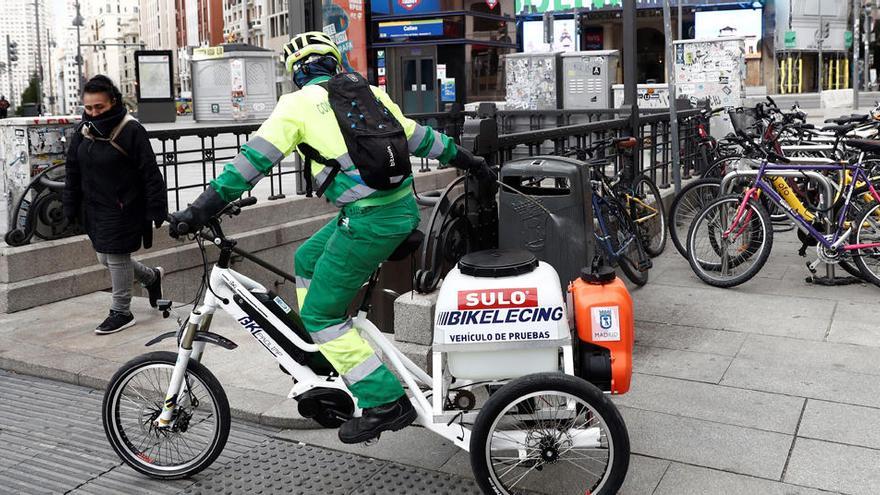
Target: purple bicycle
[730, 239]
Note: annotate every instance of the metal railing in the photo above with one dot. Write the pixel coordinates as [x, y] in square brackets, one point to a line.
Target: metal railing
[548, 134]
[190, 157]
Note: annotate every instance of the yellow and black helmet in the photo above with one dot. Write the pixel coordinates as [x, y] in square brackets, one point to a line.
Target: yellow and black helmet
[304, 45]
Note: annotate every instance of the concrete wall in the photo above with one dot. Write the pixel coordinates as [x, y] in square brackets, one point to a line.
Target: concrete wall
[51, 271]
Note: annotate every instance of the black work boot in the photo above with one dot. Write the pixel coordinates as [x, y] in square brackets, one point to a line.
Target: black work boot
[374, 420]
[154, 290]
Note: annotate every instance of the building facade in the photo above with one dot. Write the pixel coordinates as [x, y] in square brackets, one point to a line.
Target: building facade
[19, 23]
[199, 23]
[158, 29]
[108, 30]
[244, 21]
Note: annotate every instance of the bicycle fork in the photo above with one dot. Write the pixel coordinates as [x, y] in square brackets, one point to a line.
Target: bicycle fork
[185, 351]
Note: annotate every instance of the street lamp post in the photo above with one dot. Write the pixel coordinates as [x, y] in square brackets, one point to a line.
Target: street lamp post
[856, 37]
[39, 60]
[78, 22]
[52, 97]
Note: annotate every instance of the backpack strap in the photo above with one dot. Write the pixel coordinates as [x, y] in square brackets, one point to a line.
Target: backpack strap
[311, 155]
[117, 130]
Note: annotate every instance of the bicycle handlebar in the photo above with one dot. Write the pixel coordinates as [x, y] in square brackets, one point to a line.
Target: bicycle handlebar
[233, 209]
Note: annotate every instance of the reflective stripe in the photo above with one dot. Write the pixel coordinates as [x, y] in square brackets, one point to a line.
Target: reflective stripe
[353, 194]
[301, 297]
[416, 139]
[331, 333]
[247, 170]
[322, 175]
[345, 161]
[347, 351]
[437, 147]
[361, 371]
[302, 282]
[265, 148]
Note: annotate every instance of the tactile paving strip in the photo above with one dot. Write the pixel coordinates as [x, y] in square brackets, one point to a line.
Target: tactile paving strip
[399, 479]
[276, 466]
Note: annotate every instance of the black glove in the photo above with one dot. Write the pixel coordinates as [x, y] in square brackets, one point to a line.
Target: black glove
[194, 217]
[158, 223]
[465, 160]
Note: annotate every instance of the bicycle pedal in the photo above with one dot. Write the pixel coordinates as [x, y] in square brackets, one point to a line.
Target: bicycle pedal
[372, 441]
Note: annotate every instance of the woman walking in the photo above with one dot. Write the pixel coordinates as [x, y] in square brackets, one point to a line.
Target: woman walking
[112, 178]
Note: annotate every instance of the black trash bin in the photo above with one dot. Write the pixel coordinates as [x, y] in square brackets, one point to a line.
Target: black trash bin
[545, 208]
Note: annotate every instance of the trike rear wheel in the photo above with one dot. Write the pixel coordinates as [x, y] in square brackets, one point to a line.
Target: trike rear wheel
[549, 433]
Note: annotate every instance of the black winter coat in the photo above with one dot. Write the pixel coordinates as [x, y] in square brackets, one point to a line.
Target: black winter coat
[120, 196]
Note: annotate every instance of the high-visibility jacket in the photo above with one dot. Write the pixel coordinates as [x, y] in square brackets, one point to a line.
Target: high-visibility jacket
[305, 116]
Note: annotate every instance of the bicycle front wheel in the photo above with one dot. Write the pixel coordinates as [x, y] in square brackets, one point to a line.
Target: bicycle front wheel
[549, 433]
[868, 232]
[725, 251]
[199, 427]
[684, 208]
[647, 212]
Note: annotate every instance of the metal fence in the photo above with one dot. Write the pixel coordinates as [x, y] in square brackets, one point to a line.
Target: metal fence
[191, 157]
[551, 133]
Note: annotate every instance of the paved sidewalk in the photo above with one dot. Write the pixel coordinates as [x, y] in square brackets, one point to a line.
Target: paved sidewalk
[51, 441]
[769, 388]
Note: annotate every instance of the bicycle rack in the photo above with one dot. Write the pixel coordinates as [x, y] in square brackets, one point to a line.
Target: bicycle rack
[829, 279]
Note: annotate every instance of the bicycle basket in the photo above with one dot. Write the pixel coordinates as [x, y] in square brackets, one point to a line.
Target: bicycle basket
[743, 119]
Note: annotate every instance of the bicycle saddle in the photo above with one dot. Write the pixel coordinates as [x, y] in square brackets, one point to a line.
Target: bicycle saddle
[847, 120]
[408, 246]
[839, 129]
[867, 145]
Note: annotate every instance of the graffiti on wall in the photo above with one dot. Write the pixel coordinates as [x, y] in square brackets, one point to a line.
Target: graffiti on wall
[531, 82]
[712, 70]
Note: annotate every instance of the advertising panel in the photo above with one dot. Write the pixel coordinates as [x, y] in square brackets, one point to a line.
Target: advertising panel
[744, 23]
[153, 73]
[564, 36]
[345, 22]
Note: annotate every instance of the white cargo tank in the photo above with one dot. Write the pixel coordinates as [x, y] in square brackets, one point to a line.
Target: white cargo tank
[500, 314]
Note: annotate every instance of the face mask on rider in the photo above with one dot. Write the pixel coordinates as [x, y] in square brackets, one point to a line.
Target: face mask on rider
[325, 66]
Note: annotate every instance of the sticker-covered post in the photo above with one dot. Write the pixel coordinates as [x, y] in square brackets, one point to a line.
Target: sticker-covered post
[673, 110]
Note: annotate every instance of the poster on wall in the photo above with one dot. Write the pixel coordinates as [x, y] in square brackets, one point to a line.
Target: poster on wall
[153, 74]
[345, 23]
[744, 23]
[236, 74]
[564, 36]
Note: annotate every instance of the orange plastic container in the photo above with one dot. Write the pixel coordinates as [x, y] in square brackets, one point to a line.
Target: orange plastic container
[603, 313]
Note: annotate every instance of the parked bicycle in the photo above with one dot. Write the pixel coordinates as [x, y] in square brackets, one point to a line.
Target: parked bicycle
[731, 238]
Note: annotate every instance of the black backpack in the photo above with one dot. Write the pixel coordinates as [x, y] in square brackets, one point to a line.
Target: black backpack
[375, 140]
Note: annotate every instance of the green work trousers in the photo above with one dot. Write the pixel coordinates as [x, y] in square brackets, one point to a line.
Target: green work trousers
[331, 267]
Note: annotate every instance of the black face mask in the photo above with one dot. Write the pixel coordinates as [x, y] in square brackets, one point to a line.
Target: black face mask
[324, 66]
[102, 125]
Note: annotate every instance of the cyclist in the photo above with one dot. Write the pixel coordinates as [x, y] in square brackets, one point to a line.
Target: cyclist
[335, 262]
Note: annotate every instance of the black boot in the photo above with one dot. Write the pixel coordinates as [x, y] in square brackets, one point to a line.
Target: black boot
[374, 420]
